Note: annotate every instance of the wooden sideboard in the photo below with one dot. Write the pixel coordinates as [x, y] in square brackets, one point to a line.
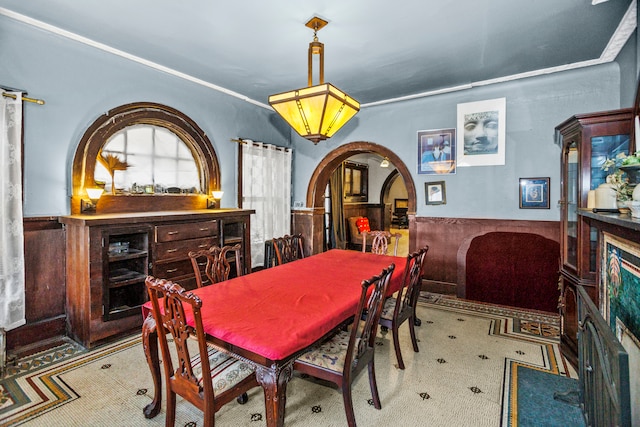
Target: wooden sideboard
[109, 256]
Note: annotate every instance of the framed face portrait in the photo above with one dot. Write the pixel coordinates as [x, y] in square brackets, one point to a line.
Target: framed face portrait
[437, 151]
[482, 127]
[534, 193]
[435, 193]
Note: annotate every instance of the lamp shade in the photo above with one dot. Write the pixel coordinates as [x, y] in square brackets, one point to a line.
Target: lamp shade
[94, 193]
[315, 112]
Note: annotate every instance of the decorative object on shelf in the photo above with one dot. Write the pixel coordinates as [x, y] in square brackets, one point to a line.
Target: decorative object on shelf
[112, 163]
[620, 176]
[534, 193]
[606, 196]
[623, 207]
[214, 203]
[315, 112]
[89, 206]
[435, 193]
[634, 207]
[632, 171]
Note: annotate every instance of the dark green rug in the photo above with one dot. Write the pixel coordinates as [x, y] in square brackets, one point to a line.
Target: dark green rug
[532, 400]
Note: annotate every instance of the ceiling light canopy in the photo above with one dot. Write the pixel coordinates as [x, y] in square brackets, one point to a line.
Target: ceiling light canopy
[315, 112]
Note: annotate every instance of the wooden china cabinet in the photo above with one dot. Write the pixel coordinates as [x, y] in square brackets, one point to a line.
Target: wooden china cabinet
[110, 255]
[587, 140]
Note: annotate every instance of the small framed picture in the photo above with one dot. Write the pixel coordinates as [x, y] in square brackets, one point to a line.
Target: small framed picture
[534, 193]
[435, 193]
[437, 151]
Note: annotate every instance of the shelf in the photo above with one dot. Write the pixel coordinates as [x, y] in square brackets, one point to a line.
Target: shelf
[122, 311]
[123, 277]
[232, 240]
[131, 254]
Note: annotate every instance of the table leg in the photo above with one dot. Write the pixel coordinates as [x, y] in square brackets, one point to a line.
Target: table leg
[150, 346]
[274, 382]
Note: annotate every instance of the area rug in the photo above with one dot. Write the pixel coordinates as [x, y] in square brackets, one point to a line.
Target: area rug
[459, 377]
[530, 389]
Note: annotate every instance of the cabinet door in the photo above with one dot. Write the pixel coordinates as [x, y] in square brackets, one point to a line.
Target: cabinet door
[602, 147]
[570, 204]
[125, 267]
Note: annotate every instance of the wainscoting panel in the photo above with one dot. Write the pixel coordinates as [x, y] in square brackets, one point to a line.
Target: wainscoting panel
[445, 236]
[44, 246]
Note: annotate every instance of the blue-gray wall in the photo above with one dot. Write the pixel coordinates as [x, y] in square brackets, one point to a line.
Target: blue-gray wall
[534, 107]
[80, 83]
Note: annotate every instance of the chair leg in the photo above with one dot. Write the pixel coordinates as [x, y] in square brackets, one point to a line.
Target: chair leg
[209, 415]
[348, 404]
[396, 345]
[170, 419]
[373, 385]
[412, 331]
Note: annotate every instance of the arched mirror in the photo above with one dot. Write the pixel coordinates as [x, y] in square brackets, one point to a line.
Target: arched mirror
[147, 157]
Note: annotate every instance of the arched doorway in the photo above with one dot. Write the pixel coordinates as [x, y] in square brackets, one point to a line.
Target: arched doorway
[320, 179]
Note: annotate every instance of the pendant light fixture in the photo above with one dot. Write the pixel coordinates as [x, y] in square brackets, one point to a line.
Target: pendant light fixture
[315, 112]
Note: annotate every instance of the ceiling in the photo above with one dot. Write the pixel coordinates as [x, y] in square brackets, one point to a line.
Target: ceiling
[374, 51]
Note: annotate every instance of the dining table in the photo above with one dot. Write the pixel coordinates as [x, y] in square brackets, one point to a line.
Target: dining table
[270, 317]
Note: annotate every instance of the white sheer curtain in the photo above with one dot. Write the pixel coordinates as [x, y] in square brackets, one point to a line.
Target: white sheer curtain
[266, 187]
[11, 231]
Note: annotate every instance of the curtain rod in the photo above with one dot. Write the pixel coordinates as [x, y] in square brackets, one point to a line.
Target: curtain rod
[24, 98]
[242, 141]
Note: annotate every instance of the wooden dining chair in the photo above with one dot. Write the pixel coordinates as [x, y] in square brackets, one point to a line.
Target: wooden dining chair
[397, 309]
[342, 357]
[214, 263]
[380, 241]
[288, 248]
[210, 378]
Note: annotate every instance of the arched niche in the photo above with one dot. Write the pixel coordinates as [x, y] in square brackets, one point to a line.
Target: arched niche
[85, 159]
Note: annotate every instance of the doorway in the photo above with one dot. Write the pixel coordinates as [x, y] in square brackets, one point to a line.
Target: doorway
[316, 192]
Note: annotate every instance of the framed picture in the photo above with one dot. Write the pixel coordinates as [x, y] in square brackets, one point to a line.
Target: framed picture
[483, 130]
[534, 193]
[437, 151]
[620, 278]
[435, 193]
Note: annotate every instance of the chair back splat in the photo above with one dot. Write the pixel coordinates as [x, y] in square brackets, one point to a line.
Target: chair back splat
[214, 263]
[380, 241]
[288, 248]
[398, 309]
[341, 358]
[193, 377]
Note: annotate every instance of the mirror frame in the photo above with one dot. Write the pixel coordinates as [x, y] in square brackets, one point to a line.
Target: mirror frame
[97, 135]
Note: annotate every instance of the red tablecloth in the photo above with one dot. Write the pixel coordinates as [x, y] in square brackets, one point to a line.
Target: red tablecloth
[278, 311]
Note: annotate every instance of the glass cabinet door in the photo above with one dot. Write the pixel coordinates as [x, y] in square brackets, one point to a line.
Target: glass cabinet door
[602, 148]
[571, 205]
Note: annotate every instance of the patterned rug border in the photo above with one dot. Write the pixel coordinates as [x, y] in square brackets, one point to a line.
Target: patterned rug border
[38, 391]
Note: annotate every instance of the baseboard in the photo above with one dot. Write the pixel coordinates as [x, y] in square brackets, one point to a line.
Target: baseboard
[32, 336]
[437, 287]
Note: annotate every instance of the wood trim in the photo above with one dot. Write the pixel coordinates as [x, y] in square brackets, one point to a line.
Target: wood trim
[32, 333]
[105, 126]
[445, 236]
[322, 173]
